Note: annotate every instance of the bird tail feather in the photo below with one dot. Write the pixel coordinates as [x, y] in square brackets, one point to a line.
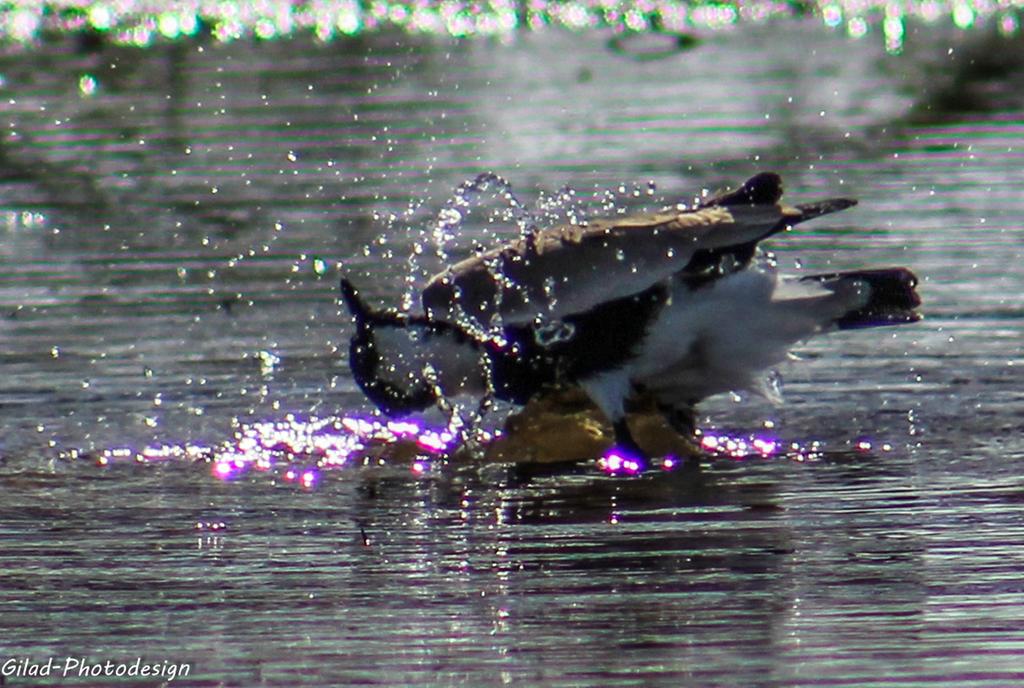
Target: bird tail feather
[890, 296]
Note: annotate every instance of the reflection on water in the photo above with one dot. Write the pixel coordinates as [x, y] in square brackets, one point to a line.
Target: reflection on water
[137, 24]
[172, 220]
[299, 451]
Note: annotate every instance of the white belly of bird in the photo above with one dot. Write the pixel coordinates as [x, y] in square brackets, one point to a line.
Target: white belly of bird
[723, 336]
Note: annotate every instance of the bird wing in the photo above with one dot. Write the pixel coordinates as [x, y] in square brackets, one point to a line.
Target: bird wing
[569, 269]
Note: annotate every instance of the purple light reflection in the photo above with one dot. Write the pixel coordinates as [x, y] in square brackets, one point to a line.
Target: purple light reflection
[732, 446]
[298, 451]
[619, 462]
[223, 470]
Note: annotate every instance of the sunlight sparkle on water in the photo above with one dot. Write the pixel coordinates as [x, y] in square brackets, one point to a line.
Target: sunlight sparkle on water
[764, 446]
[715, 444]
[297, 451]
[300, 452]
[138, 23]
[619, 462]
[739, 447]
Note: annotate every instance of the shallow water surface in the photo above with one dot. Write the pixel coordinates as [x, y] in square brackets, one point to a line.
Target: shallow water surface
[173, 222]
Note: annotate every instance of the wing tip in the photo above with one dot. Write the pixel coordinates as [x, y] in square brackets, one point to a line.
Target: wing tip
[809, 211]
[764, 188]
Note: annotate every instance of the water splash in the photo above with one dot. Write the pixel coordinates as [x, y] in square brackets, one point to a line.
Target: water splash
[564, 205]
[448, 226]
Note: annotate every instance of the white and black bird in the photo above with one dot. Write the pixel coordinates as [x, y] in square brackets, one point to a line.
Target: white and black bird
[673, 306]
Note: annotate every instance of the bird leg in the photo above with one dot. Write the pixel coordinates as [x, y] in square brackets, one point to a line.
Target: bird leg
[609, 391]
[682, 419]
[624, 440]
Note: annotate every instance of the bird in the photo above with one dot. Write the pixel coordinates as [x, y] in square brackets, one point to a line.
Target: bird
[674, 306]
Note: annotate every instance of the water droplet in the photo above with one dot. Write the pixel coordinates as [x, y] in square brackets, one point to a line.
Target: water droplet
[87, 85]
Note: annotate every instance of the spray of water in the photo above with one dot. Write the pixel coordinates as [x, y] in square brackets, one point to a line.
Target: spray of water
[439, 239]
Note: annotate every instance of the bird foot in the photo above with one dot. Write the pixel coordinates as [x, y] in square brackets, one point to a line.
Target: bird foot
[620, 461]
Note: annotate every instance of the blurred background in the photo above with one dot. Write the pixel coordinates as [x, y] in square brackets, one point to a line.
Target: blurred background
[181, 184]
